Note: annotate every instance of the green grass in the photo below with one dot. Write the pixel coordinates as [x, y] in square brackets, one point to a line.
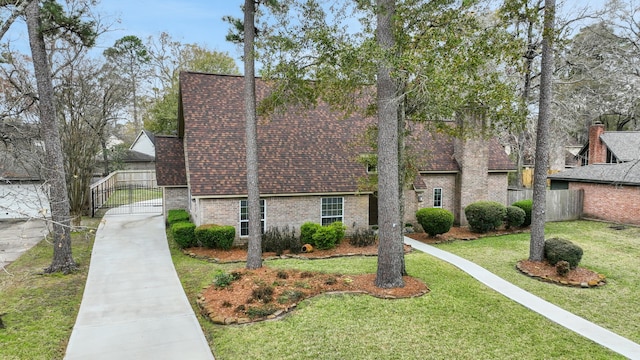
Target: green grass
[613, 253]
[41, 309]
[459, 319]
[125, 196]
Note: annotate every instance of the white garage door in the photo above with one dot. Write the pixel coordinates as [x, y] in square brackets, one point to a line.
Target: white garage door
[23, 201]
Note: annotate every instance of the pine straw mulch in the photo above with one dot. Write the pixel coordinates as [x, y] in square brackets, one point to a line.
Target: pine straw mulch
[266, 293]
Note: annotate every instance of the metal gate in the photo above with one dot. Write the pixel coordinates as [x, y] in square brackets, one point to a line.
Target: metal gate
[127, 192]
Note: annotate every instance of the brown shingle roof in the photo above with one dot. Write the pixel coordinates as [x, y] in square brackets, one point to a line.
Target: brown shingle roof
[170, 170]
[304, 151]
[309, 151]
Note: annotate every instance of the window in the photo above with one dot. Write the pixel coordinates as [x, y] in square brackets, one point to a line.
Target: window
[244, 217]
[437, 197]
[332, 210]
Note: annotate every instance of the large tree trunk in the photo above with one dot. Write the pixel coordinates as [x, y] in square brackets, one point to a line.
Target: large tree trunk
[254, 255]
[536, 247]
[390, 249]
[54, 164]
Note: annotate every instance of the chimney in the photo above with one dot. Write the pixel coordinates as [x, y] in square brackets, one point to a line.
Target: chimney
[597, 150]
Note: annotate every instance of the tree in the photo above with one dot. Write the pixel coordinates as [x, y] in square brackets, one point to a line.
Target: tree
[536, 246]
[133, 57]
[168, 59]
[254, 253]
[390, 249]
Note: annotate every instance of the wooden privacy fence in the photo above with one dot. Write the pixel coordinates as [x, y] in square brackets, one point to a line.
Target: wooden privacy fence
[561, 204]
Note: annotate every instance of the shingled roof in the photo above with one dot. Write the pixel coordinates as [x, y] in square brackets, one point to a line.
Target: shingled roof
[305, 151]
[310, 151]
[170, 170]
[627, 173]
[625, 145]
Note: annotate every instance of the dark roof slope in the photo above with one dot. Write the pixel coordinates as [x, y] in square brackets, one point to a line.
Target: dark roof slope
[170, 170]
[619, 174]
[306, 151]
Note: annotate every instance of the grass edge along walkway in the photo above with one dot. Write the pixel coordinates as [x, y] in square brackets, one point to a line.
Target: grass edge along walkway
[589, 330]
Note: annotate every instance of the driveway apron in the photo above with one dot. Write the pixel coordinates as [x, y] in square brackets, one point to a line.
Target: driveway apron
[591, 331]
[134, 306]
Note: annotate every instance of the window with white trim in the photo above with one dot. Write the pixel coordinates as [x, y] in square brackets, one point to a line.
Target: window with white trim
[244, 217]
[437, 197]
[332, 210]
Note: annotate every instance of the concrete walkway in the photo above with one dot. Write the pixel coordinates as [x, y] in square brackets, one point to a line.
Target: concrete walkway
[554, 313]
[18, 236]
[133, 305]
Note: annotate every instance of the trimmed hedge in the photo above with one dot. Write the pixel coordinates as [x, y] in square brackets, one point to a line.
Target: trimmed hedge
[514, 217]
[215, 236]
[484, 216]
[306, 232]
[340, 230]
[558, 249]
[435, 221]
[325, 238]
[527, 206]
[184, 234]
[176, 216]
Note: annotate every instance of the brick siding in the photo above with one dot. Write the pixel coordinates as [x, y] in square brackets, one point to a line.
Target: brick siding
[175, 198]
[609, 202]
[284, 211]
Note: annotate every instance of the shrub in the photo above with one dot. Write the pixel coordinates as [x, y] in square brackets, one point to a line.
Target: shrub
[278, 240]
[515, 217]
[263, 293]
[223, 279]
[306, 232]
[176, 216]
[325, 238]
[557, 249]
[183, 234]
[362, 238]
[525, 205]
[562, 268]
[340, 230]
[435, 221]
[215, 236]
[484, 215]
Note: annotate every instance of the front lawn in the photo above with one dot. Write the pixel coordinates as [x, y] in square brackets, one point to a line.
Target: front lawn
[608, 251]
[459, 319]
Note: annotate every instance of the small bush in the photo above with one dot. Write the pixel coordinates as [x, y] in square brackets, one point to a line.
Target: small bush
[290, 296]
[515, 217]
[435, 221]
[340, 230]
[527, 206]
[215, 236]
[557, 249]
[306, 232]
[325, 238]
[183, 234]
[362, 238]
[484, 216]
[261, 311]
[278, 240]
[176, 216]
[263, 293]
[223, 279]
[562, 268]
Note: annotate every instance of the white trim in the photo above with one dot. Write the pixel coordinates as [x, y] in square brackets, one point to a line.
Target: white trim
[441, 197]
[240, 221]
[342, 208]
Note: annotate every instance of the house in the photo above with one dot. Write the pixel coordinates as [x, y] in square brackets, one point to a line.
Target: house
[609, 177]
[141, 155]
[310, 163]
[23, 194]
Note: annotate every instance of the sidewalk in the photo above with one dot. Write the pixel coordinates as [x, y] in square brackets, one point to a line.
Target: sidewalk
[133, 305]
[591, 331]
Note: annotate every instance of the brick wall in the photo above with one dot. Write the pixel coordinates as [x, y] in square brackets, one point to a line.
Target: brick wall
[597, 150]
[284, 211]
[609, 202]
[498, 188]
[174, 198]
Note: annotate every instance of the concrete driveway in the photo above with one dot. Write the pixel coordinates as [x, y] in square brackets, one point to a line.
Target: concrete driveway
[17, 236]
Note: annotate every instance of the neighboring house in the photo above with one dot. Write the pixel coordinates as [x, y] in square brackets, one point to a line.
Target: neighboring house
[310, 163]
[22, 192]
[609, 177]
[141, 155]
